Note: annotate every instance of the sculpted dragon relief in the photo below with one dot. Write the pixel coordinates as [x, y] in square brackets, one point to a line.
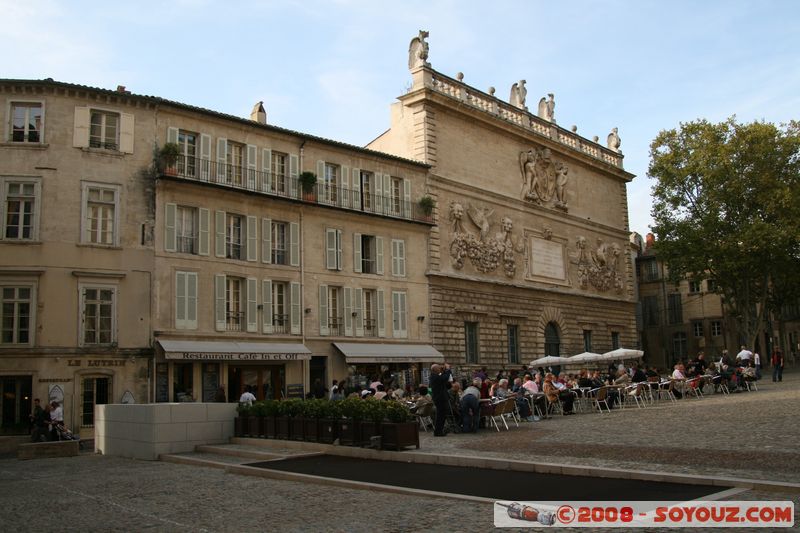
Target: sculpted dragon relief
[486, 252]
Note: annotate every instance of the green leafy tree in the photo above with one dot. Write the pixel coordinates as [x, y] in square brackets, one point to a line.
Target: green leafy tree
[727, 206]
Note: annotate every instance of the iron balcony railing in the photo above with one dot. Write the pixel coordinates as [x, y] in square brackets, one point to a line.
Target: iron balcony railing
[234, 321]
[370, 327]
[280, 323]
[285, 186]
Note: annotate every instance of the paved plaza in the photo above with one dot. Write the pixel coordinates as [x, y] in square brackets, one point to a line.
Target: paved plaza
[747, 435]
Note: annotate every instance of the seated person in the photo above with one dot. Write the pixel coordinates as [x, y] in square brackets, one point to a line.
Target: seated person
[380, 392]
[638, 375]
[555, 395]
[501, 390]
[679, 376]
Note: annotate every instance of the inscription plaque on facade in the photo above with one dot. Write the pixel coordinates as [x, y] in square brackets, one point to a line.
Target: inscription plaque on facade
[547, 259]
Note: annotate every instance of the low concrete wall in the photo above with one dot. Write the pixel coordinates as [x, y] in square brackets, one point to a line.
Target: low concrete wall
[145, 431]
[10, 443]
[41, 450]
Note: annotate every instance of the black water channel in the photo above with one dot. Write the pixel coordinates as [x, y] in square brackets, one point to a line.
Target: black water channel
[488, 483]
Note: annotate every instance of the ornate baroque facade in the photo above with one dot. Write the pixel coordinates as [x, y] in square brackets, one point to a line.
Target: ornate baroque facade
[529, 255]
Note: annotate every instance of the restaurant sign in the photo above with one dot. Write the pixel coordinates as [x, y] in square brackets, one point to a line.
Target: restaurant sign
[217, 356]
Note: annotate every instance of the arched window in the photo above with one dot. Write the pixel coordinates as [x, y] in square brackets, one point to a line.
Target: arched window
[552, 342]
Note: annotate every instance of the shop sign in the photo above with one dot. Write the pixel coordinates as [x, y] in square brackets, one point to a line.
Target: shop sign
[209, 356]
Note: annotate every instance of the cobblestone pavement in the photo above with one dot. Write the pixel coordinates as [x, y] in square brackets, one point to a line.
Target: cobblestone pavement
[750, 435]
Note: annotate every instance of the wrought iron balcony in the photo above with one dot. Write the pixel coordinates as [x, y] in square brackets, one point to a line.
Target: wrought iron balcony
[285, 186]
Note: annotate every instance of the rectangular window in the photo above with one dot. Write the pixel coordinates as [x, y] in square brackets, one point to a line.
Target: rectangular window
[370, 322]
[233, 236]
[398, 257]
[697, 328]
[26, 122]
[330, 184]
[186, 300]
[711, 285]
[96, 391]
[187, 160]
[679, 345]
[278, 168]
[234, 304]
[280, 307]
[650, 310]
[650, 270]
[614, 340]
[397, 195]
[674, 309]
[234, 163]
[471, 342]
[104, 130]
[368, 254]
[333, 249]
[399, 315]
[20, 204]
[367, 200]
[335, 322]
[512, 332]
[100, 206]
[186, 229]
[694, 286]
[98, 316]
[716, 328]
[279, 255]
[16, 318]
[587, 340]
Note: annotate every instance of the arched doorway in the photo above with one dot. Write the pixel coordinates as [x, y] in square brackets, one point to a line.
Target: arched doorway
[552, 341]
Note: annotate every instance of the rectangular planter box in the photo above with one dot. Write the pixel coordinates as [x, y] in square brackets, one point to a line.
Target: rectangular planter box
[349, 432]
[327, 430]
[369, 429]
[396, 436]
[297, 428]
[282, 427]
[311, 430]
[239, 425]
[254, 426]
[270, 427]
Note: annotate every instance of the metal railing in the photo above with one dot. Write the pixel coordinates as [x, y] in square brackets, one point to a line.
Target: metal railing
[234, 321]
[370, 327]
[335, 326]
[285, 186]
[280, 323]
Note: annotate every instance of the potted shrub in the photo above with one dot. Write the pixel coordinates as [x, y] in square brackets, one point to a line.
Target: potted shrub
[374, 413]
[255, 421]
[330, 415]
[294, 410]
[426, 205]
[308, 180]
[168, 156]
[349, 425]
[270, 411]
[400, 430]
[312, 411]
[240, 423]
[282, 426]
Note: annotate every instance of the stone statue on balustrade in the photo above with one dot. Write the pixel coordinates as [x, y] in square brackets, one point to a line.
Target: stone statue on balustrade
[544, 181]
[598, 267]
[547, 108]
[518, 95]
[418, 51]
[613, 140]
[484, 252]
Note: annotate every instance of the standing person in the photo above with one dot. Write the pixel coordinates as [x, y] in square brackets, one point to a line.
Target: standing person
[37, 414]
[39, 420]
[334, 390]
[56, 418]
[757, 362]
[318, 390]
[247, 397]
[439, 380]
[777, 365]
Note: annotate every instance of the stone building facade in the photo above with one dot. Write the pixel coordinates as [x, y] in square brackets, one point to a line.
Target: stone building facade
[530, 254]
[133, 273]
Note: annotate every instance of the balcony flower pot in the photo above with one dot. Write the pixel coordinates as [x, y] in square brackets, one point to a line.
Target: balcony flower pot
[426, 205]
[168, 158]
[308, 182]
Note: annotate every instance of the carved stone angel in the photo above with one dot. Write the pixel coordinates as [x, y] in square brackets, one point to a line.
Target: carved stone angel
[418, 51]
[480, 217]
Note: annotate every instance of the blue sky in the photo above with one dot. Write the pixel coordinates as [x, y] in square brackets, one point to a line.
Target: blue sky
[331, 68]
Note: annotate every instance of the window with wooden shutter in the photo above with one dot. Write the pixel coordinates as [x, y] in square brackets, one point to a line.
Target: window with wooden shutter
[252, 305]
[219, 233]
[381, 312]
[170, 211]
[323, 310]
[204, 235]
[266, 240]
[205, 157]
[296, 315]
[219, 302]
[186, 300]
[222, 155]
[348, 311]
[266, 300]
[358, 308]
[294, 244]
[356, 252]
[398, 258]
[252, 162]
[252, 238]
[379, 255]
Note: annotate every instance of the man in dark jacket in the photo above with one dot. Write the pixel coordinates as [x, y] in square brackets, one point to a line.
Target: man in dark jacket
[440, 381]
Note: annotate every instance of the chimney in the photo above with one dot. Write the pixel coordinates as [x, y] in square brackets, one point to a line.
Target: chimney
[651, 241]
[121, 89]
[258, 114]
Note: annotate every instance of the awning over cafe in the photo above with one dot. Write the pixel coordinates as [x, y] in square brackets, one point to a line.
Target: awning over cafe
[389, 353]
[233, 351]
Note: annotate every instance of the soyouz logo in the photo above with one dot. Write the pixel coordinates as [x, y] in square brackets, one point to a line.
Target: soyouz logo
[702, 514]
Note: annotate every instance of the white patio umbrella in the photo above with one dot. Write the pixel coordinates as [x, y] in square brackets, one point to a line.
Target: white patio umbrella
[622, 353]
[585, 357]
[550, 360]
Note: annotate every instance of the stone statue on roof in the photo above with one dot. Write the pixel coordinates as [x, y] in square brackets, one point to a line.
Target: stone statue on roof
[418, 51]
[613, 140]
[518, 95]
[547, 108]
